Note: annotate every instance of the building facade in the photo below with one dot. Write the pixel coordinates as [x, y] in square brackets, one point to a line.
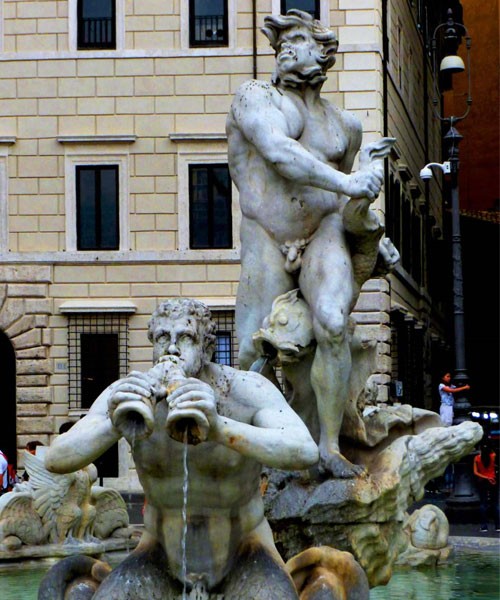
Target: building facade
[115, 192]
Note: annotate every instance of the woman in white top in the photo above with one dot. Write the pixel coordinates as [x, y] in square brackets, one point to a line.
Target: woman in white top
[446, 391]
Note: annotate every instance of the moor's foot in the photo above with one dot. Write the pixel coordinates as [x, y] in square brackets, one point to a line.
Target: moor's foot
[338, 466]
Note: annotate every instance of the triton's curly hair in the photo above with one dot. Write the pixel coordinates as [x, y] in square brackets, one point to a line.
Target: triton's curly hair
[275, 24]
[186, 307]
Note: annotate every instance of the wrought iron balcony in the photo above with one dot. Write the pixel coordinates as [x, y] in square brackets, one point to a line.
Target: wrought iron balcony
[209, 30]
[98, 33]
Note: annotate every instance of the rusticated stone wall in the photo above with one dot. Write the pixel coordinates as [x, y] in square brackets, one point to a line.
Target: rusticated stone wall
[24, 318]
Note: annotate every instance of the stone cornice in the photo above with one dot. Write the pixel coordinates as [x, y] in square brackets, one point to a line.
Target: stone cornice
[198, 137]
[97, 139]
[97, 306]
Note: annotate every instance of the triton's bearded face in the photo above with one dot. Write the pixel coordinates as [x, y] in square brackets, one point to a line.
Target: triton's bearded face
[300, 58]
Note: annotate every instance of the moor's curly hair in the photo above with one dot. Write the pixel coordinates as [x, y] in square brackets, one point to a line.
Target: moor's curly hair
[275, 24]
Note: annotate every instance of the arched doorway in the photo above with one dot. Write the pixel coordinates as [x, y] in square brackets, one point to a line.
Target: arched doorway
[8, 399]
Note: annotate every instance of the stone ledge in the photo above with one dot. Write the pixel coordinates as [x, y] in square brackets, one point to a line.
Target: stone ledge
[61, 550]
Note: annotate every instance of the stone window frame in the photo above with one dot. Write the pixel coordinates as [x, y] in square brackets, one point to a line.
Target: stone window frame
[80, 158]
[2, 30]
[232, 10]
[202, 156]
[73, 28]
[4, 192]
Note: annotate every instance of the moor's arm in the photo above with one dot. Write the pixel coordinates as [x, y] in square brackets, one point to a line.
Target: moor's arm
[257, 114]
[85, 441]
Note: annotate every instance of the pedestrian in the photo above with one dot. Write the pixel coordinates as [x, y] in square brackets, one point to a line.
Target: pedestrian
[8, 474]
[4, 474]
[446, 392]
[485, 467]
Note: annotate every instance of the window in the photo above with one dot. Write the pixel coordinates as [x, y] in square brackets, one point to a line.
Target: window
[309, 6]
[97, 213]
[96, 24]
[98, 355]
[208, 23]
[210, 215]
[226, 346]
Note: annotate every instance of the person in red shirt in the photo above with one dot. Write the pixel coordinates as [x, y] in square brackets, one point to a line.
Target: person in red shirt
[485, 467]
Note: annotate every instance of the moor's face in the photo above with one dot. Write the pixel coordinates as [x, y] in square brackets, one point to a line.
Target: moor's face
[180, 337]
[298, 56]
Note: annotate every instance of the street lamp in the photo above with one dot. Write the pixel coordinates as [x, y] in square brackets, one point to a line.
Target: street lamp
[446, 33]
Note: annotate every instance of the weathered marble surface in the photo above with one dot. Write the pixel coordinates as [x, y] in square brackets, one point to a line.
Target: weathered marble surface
[53, 510]
[307, 220]
[323, 573]
[365, 515]
[427, 530]
[235, 422]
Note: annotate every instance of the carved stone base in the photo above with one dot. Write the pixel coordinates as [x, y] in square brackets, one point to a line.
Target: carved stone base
[366, 515]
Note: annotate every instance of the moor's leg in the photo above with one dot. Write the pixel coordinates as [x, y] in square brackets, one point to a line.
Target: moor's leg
[327, 284]
[263, 278]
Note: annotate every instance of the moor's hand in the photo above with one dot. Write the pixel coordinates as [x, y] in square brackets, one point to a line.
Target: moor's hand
[365, 184]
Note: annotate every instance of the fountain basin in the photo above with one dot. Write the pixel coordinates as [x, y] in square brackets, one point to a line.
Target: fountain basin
[472, 573]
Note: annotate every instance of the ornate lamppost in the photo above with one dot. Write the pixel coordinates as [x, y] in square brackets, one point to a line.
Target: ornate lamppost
[445, 35]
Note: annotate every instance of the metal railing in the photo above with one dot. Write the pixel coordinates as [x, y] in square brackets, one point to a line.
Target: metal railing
[96, 33]
[209, 29]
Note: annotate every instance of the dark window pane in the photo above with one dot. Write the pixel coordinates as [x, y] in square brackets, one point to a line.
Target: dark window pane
[97, 207]
[310, 6]
[86, 186]
[208, 23]
[100, 364]
[94, 9]
[107, 463]
[199, 207]
[109, 209]
[96, 24]
[222, 225]
[210, 219]
[209, 7]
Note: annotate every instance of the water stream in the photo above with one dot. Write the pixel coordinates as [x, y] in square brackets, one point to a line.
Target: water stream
[185, 487]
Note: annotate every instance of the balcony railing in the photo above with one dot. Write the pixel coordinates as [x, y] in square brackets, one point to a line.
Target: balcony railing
[96, 33]
[209, 30]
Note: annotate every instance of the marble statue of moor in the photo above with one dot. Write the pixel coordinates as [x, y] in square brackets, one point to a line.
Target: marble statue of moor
[290, 155]
[234, 421]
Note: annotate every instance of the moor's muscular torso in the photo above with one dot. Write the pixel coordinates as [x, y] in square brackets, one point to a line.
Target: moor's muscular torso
[285, 208]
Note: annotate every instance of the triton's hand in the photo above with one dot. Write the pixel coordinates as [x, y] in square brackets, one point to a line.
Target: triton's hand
[131, 406]
[193, 407]
[136, 386]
